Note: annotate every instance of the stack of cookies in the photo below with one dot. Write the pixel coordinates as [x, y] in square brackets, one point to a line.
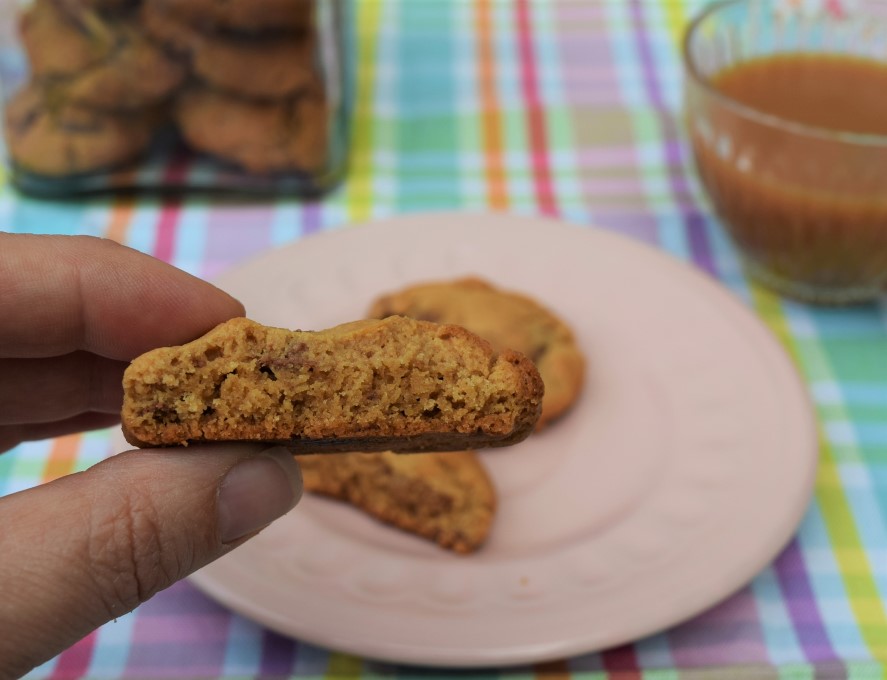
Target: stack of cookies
[97, 89]
[236, 76]
[254, 96]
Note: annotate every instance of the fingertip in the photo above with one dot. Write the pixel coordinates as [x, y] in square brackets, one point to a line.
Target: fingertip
[237, 306]
[225, 305]
[284, 457]
[257, 491]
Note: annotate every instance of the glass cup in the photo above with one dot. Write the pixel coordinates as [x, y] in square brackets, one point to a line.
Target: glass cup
[805, 206]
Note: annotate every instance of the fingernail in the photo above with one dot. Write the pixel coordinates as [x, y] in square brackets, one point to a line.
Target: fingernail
[257, 491]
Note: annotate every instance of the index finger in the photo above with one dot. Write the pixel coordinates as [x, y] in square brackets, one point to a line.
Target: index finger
[59, 294]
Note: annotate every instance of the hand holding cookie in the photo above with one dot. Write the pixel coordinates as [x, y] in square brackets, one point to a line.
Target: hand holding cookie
[98, 543]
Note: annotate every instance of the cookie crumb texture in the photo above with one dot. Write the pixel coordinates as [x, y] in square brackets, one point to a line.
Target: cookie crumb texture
[396, 384]
[445, 498]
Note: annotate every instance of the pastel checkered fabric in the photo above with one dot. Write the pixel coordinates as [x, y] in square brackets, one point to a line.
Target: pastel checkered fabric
[563, 107]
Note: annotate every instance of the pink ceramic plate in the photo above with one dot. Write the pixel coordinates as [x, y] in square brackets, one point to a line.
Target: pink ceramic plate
[681, 472]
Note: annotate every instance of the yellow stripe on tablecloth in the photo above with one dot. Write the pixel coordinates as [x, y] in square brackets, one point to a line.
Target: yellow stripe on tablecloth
[491, 118]
[360, 173]
[344, 667]
[853, 563]
[676, 18]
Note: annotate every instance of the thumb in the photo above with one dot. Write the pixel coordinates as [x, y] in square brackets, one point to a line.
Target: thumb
[92, 546]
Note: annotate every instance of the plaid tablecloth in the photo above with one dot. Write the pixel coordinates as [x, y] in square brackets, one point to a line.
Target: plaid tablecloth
[568, 108]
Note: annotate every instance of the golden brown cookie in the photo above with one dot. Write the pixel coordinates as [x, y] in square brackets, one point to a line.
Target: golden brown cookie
[242, 15]
[396, 384]
[95, 60]
[59, 40]
[506, 320]
[56, 139]
[273, 66]
[262, 137]
[165, 29]
[446, 498]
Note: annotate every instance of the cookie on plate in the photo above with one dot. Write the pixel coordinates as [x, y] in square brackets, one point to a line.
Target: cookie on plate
[54, 138]
[274, 66]
[396, 384]
[446, 498]
[505, 319]
[241, 15]
[95, 60]
[261, 137]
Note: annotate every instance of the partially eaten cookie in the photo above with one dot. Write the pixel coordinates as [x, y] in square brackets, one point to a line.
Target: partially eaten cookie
[396, 384]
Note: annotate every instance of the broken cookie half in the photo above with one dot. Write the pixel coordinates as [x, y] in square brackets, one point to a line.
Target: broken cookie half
[445, 498]
[395, 384]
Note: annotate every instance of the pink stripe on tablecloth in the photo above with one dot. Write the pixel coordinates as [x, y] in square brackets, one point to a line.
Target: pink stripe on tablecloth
[164, 244]
[74, 661]
[545, 193]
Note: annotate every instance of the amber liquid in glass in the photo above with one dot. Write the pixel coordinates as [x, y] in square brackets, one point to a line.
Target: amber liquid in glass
[840, 93]
[808, 211]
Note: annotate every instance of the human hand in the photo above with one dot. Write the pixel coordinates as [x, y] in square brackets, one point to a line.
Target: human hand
[87, 548]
